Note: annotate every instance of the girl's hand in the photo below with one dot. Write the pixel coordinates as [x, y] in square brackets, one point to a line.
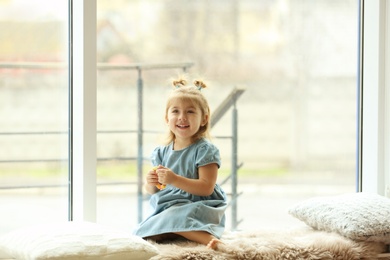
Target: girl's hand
[152, 181]
[152, 178]
[165, 175]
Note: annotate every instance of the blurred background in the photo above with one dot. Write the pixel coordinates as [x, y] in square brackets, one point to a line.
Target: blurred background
[296, 118]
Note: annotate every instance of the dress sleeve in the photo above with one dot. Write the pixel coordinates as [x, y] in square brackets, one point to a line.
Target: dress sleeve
[156, 156]
[207, 153]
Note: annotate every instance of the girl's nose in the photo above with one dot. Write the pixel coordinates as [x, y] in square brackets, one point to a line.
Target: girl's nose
[183, 117]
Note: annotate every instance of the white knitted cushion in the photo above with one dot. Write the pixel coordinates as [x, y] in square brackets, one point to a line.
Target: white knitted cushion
[74, 240]
[358, 216]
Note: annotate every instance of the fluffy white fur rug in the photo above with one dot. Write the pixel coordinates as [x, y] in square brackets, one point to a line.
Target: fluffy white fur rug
[302, 243]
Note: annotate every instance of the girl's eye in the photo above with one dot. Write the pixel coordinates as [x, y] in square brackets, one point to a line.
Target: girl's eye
[190, 111]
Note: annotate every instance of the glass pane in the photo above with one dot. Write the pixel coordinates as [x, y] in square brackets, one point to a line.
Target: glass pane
[296, 124]
[33, 112]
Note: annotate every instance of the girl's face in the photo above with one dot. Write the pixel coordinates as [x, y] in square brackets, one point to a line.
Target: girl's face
[184, 120]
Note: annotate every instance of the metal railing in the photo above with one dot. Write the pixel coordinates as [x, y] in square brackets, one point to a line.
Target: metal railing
[229, 102]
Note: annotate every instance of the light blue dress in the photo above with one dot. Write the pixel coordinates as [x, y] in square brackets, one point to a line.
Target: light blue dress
[174, 210]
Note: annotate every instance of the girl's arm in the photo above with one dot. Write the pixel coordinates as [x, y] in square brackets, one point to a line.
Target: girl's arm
[204, 186]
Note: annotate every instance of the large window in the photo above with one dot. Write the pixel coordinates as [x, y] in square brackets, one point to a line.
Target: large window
[296, 119]
[33, 112]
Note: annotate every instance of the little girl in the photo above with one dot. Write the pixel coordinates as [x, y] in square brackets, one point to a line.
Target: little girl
[191, 205]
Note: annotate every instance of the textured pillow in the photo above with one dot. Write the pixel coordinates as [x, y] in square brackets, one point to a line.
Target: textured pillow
[75, 240]
[358, 216]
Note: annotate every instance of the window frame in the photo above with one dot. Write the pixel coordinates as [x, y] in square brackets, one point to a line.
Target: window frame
[374, 98]
[82, 110]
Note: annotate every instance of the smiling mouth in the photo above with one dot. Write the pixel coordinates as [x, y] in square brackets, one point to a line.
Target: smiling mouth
[182, 126]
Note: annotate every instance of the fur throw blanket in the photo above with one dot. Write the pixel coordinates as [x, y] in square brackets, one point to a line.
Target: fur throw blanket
[302, 243]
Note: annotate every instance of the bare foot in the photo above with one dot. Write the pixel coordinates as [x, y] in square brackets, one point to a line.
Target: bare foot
[213, 244]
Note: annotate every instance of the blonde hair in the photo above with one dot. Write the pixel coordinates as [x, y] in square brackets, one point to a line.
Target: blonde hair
[193, 95]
